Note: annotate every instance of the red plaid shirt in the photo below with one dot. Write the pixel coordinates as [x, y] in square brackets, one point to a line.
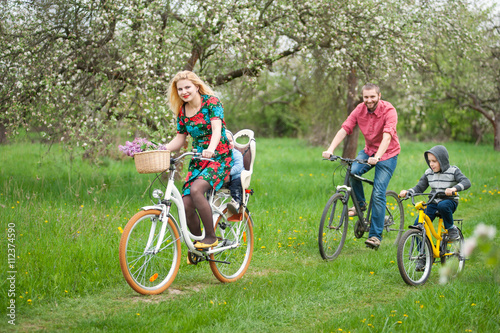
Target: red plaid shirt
[373, 125]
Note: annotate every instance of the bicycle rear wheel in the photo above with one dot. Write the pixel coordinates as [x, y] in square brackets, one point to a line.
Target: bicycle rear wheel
[333, 227]
[454, 255]
[394, 215]
[147, 272]
[414, 258]
[231, 264]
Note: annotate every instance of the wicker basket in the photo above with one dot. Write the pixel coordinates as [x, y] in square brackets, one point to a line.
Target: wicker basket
[153, 161]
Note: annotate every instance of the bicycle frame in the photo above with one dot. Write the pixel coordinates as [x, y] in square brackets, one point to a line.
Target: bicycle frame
[429, 228]
[173, 196]
[347, 190]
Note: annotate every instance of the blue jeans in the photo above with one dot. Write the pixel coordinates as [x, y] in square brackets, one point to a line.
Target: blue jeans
[446, 208]
[383, 174]
[236, 189]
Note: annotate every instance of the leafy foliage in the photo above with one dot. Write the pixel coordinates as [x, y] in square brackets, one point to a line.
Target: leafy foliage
[74, 70]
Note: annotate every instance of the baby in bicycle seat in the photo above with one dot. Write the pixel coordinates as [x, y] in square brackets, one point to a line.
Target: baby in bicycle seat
[235, 177]
[441, 177]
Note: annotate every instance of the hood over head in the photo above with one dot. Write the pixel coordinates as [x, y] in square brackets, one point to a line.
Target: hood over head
[441, 155]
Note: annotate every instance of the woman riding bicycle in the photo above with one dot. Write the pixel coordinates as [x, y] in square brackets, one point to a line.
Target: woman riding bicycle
[201, 115]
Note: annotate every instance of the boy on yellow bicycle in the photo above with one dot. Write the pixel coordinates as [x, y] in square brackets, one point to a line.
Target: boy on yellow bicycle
[441, 177]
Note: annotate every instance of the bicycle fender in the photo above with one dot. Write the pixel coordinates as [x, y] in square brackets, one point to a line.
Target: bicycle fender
[151, 207]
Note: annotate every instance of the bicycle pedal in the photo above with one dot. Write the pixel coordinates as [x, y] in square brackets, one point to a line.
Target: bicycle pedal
[372, 247]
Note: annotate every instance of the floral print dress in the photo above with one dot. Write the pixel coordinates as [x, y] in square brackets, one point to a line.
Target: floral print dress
[200, 129]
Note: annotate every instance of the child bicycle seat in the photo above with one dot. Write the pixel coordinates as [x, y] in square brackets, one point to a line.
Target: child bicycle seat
[244, 141]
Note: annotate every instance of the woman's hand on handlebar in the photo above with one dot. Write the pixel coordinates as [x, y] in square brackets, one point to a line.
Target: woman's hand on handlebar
[207, 153]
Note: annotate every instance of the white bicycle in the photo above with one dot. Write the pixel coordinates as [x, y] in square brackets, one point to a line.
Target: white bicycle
[150, 246]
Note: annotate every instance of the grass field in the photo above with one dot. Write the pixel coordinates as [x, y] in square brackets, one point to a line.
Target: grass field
[65, 217]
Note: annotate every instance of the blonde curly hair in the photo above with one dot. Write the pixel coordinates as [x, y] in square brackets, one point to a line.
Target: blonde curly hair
[175, 102]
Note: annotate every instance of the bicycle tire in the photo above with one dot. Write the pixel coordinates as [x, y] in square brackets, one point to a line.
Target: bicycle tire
[394, 215]
[409, 253]
[457, 258]
[333, 227]
[232, 264]
[148, 273]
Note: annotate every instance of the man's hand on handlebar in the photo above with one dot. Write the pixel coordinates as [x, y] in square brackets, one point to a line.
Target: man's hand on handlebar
[326, 154]
[372, 160]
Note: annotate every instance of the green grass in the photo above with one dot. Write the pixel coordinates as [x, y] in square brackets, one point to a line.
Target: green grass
[67, 216]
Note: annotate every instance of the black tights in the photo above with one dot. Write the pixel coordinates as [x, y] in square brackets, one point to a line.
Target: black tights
[197, 204]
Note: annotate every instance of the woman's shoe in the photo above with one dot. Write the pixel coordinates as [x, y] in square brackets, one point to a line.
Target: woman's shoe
[200, 245]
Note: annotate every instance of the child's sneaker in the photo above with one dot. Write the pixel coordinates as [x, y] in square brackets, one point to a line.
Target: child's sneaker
[453, 234]
[420, 265]
[233, 207]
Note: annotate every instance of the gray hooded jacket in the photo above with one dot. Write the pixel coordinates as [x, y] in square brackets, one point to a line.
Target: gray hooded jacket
[449, 176]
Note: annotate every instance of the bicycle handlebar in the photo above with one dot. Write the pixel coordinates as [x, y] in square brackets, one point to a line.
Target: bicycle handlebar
[194, 154]
[432, 196]
[347, 160]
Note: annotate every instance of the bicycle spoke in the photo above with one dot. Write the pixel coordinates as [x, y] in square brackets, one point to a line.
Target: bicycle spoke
[332, 234]
[240, 233]
[147, 271]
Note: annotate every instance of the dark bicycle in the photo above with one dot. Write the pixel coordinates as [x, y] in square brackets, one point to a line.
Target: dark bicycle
[335, 218]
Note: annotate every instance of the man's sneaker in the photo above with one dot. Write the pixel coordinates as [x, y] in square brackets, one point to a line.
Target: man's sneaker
[233, 207]
[453, 234]
[373, 242]
[420, 266]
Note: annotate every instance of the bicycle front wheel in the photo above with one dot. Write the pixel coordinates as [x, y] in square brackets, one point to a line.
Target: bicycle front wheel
[231, 264]
[454, 255]
[414, 258]
[394, 215]
[149, 272]
[333, 228]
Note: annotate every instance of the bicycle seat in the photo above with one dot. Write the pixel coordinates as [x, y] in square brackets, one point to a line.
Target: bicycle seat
[244, 141]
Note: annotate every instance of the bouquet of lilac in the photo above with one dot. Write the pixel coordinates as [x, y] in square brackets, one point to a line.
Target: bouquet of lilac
[140, 145]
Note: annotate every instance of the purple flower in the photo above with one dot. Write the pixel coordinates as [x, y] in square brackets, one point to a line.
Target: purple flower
[139, 145]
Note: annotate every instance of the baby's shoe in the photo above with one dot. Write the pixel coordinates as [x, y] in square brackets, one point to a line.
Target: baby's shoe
[233, 207]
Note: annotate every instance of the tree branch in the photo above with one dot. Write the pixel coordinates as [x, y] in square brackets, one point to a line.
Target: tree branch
[249, 71]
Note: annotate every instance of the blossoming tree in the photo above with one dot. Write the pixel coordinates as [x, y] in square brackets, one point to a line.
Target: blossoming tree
[74, 69]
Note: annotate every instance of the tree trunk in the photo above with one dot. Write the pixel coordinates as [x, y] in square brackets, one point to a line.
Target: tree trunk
[351, 141]
[496, 129]
[3, 133]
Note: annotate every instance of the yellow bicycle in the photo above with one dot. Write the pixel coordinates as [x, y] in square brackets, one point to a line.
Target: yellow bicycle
[417, 250]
